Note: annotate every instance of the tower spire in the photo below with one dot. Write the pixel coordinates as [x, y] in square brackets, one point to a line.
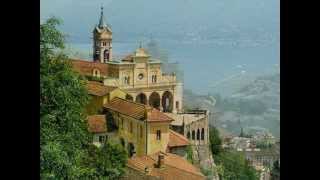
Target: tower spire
[102, 22]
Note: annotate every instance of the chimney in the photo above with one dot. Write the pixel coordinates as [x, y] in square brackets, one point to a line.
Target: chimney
[160, 162]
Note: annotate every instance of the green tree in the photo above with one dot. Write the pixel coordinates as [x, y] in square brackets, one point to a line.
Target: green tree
[215, 140]
[64, 139]
[190, 154]
[108, 161]
[235, 166]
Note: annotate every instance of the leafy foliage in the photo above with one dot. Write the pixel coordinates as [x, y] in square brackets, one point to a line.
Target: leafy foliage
[230, 165]
[64, 139]
[108, 162]
[190, 154]
[215, 141]
[235, 166]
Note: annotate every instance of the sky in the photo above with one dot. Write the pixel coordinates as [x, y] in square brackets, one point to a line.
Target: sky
[210, 38]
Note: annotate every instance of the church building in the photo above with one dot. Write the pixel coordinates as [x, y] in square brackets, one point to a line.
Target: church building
[137, 74]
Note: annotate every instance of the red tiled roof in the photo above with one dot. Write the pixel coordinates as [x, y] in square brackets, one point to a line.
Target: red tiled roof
[97, 124]
[155, 115]
[98, 89]
[176, 139]
[137, 110]
[175, 167]
[129, 108]
[128, 58]
[86, 67]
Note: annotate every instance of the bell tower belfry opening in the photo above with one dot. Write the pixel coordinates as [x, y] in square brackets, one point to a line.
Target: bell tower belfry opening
[102, 41]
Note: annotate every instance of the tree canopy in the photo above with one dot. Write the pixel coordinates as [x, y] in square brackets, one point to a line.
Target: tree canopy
[230, 164]
[64, 139]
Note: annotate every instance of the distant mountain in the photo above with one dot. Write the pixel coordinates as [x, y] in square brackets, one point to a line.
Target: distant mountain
[255, 106]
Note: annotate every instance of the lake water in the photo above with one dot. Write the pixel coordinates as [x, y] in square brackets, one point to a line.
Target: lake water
[206, 63]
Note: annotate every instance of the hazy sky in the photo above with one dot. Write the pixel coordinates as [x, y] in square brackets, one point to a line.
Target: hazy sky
[210, 37]
[228, 18]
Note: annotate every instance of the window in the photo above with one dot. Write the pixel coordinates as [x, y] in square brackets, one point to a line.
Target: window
[96, 73]
[154, 78]
[121, 123]
[140, 76]
[158, 135]
[126, 80]
[202, 134]
[102, 139]
[104, 43]
[188, 135]
[177, 104]
[141, 131]
[193, 135]
[131, 129]
[198, 134]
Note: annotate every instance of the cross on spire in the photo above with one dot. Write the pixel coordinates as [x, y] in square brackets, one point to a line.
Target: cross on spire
[102, 22]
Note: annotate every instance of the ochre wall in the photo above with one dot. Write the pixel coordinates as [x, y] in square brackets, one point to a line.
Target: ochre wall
[117, 93]
[95, 104]
[155, 145]
[136, 138]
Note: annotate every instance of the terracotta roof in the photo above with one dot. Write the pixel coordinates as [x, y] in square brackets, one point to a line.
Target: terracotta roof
[98, 89]
[97, 124]
[175, 167]
[176, 139]
[129, 108]
[128, 58]
[137, 110]
[86, 67]
[155, 115]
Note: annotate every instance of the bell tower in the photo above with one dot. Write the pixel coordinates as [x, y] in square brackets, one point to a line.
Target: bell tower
[102, 41]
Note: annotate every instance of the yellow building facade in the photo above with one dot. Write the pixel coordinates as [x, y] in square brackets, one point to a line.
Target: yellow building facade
[99, 95]
[142, 129]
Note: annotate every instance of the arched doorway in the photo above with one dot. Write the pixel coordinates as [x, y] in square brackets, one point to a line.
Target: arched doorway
[129, 97]
[154, 100]
[131, 150]
[167, 101]
[141, 98]
[106, 55]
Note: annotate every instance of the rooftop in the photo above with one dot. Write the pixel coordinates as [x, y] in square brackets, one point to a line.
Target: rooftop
[85, 67]
[186, 118]
[176, 139]
[136, 110]
[98, 89]
[97, 123]
[175, 167]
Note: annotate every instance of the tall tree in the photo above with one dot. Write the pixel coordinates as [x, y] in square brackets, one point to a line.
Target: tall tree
[215, 140]
[64, 140]
[63, 133]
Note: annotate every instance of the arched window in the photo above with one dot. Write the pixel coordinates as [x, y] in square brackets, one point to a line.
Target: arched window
[96, 73]
[154, 78]
[198, 134]
[193, 135]
[202, 134]
[188, 135]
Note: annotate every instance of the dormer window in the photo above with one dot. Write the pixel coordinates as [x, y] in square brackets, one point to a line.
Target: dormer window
[96, 73]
